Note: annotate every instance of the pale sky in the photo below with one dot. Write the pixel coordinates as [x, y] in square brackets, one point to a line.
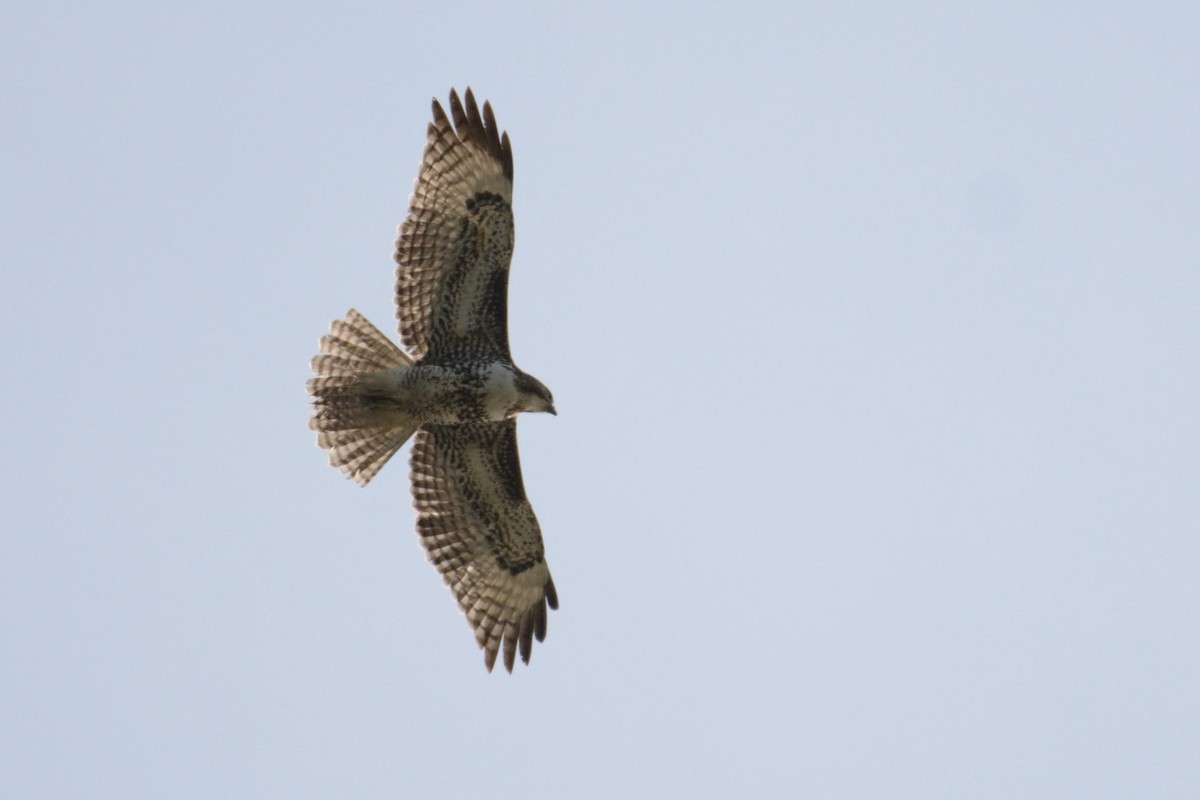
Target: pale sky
[873, 332]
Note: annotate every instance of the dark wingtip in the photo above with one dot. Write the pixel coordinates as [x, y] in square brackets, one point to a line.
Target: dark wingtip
[528, 627]
[457, 113]
[439, 117]
[506, 155]
[510, 652]
[478, 128]
[539, 622]
[474, 120]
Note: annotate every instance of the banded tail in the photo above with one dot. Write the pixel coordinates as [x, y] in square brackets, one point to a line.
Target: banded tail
[351, 415]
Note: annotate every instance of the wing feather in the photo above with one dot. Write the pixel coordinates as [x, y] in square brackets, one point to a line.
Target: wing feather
[455, 247]
[480, 531]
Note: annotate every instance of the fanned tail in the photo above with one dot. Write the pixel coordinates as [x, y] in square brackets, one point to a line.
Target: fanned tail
[352, 419]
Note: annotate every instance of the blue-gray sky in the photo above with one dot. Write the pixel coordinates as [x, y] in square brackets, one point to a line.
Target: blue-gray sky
[874, 335]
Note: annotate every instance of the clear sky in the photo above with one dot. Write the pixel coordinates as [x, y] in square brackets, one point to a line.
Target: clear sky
[874, 334]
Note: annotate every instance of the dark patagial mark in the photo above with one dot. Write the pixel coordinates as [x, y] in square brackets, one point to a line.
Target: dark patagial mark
[485, 199]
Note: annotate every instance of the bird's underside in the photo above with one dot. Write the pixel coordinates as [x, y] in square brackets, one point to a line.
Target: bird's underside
[456, 387]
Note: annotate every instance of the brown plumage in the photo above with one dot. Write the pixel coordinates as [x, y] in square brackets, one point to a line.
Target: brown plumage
[457, 386]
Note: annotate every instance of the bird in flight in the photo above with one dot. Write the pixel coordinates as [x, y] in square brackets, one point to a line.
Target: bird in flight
[456, 387]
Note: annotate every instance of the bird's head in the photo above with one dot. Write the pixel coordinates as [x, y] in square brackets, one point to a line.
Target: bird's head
[532, 395]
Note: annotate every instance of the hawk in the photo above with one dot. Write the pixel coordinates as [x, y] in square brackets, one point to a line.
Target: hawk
[456, 387]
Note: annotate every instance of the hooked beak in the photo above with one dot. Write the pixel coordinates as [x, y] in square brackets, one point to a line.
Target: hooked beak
[552, 411]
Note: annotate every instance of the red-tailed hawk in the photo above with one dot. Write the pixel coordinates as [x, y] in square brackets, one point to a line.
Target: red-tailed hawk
[456, 388]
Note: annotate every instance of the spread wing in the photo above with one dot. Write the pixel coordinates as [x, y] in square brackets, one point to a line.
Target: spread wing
[455, 246]
[480, 532]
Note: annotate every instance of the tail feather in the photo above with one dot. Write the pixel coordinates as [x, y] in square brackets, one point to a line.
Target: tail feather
[362, 453]
[360, 433]
[352, 347]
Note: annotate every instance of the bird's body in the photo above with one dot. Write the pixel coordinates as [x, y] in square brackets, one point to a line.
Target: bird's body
[436, 394]
[456, 388]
